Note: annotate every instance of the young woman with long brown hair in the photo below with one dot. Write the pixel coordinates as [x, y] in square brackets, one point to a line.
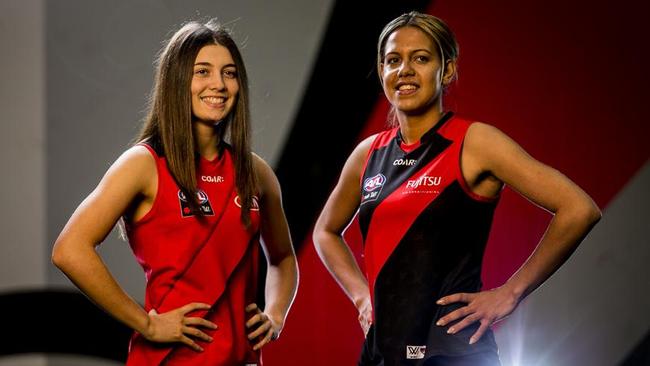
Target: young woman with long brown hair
[195, 202]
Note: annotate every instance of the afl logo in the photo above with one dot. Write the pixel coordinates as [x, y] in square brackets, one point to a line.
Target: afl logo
[374, 183]
[202, 196]
[254, 205]
[372, 188]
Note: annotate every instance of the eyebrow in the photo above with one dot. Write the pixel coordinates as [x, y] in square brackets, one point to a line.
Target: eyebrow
[209, 64]
[414, 51]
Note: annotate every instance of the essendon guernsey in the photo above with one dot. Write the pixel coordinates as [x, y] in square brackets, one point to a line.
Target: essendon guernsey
[424, 236]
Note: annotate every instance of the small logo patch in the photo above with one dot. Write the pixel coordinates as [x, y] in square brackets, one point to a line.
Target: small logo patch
[372, 188]
[203, 199]
[255, 206]
[415, 352]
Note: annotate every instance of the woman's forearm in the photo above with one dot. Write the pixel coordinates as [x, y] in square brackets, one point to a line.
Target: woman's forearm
[567, 229]
[85, 269]
[281, 286]
[341, 263]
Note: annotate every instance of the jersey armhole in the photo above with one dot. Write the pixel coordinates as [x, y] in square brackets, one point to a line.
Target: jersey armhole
[154, 206]
[373, 145]
[461, 179]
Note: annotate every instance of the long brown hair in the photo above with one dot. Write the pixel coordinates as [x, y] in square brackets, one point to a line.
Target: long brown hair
[168, 124]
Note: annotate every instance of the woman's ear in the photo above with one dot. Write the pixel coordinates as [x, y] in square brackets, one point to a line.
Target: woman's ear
[450, 73]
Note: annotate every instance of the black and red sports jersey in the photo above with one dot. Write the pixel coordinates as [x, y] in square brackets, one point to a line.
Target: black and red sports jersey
[424, 235]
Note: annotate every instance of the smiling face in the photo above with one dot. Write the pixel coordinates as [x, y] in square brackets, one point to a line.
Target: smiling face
[412, 73]
[214, 85]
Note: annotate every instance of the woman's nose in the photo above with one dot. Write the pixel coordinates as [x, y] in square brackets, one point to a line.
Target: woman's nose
[217, 83]
[405, 69]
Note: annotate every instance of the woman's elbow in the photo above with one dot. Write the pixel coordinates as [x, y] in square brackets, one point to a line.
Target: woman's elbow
[315, 236]
[589, 213]
[58, 254]
[319, 237]
[592, 212]
[62, 254]
[595, 215]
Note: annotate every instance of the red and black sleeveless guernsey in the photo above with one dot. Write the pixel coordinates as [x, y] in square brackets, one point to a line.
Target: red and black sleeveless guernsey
[189, 258]
[424, 236]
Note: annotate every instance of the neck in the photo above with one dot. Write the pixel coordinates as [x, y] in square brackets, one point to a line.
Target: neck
[207, 139]
[413, 126]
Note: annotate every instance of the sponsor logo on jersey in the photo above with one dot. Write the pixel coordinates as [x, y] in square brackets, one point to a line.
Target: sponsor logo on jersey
[424, 181]
[372, 188]
[204, 204]
[405, 162]
[255, 206]
[415, 352]
[212, 178]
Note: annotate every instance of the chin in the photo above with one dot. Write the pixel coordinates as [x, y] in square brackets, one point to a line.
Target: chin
[409, 108]
[209, 119]
[414, 107]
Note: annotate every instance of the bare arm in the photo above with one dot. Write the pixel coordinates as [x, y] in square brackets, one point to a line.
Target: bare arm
[574, 212]
[339, 210]
[282, 274]
[489, 150]
[128, 179]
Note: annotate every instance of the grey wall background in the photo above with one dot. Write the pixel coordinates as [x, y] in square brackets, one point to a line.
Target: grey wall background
[22, 144]
[22, 139]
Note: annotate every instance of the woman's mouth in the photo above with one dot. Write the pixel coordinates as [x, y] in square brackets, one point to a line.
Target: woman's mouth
[406, 89]
[214, 102]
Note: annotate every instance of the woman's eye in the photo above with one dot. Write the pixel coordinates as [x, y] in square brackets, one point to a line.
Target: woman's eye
[230, 73]
[422, 59]
[392, 60]
[201, 72]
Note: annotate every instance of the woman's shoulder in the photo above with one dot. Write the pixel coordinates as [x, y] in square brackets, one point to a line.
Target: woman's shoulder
[267, 180]
[489, 146]
[363, 148]
[140, 154]
[133, 172]
[481, 133]
[137, 161]
[259, 164]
